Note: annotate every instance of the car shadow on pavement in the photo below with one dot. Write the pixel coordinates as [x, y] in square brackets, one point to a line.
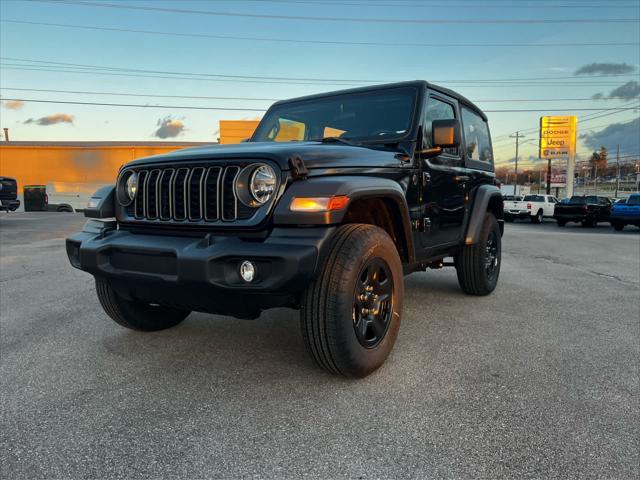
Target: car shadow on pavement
[215, 346]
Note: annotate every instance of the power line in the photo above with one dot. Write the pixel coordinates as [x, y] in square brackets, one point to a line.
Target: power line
[123, 94]
[435, 5]
[206, 97]
[326, 42]
[587, 118]
[405, 21]
[189, 107]
[38, 68]
[48, 63]
[177, 107]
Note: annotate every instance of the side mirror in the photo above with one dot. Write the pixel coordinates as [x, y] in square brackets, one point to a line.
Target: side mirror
[445, 133]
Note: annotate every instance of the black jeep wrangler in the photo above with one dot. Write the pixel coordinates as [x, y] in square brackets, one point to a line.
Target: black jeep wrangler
[333, 199]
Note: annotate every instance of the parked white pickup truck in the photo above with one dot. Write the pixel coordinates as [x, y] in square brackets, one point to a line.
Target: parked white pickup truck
[535, 207]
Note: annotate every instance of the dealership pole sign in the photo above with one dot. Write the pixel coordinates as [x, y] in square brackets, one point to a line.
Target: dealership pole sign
[558, 141]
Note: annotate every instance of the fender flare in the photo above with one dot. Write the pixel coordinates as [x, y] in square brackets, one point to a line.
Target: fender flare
[356, 187]
[102, 203]
[481, 199]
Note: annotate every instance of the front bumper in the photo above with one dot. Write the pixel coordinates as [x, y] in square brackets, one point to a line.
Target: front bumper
[9, 205]
[201, 273]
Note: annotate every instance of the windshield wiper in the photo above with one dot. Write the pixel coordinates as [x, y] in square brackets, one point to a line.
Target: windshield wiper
[335, 140]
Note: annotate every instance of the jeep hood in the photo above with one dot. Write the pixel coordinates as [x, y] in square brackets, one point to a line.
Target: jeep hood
[314, 154]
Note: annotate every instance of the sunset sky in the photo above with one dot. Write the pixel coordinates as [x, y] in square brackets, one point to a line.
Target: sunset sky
[552, 57]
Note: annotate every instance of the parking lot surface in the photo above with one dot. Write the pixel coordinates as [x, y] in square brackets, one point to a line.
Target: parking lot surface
[538, 380]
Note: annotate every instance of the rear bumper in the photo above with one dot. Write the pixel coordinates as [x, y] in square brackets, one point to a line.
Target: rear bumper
[201, 273]
[517, 213]
[571, 217]
[9, 205]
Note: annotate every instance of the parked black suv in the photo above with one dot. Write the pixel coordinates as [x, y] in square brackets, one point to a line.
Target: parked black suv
[332, 200]
[9, 194]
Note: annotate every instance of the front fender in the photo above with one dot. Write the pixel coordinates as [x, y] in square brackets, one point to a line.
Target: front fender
[355, 187]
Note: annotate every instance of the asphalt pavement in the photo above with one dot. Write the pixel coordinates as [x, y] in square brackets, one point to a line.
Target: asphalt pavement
[538, 380]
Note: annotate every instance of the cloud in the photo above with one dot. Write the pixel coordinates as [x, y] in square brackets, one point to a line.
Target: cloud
[51, 119]
[169, 128]
[628, 91]
[627, 135]
[605, 69]
[13, 104]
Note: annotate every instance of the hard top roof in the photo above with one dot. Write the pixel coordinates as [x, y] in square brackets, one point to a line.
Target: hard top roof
[414, 83]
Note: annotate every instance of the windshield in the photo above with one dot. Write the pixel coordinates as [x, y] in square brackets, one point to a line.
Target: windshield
[375, 116]
[633, 200]
[578, 200]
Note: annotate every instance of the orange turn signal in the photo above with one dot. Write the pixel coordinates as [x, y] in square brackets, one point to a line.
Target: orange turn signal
[318, 204]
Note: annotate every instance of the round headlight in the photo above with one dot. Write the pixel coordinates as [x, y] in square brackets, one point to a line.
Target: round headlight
[131, 186]
[127, 188]
[262, 183]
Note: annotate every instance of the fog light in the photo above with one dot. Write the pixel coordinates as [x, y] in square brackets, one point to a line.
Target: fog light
[247, 271]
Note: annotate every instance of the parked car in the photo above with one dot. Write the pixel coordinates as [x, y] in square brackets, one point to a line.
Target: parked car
[626, 212]
[588, 210]
[9, 194]
[334, 197]
[70, 196]
[534, 207]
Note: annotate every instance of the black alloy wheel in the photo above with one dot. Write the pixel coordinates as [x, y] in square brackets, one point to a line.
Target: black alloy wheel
[491, 255]
[373, 302]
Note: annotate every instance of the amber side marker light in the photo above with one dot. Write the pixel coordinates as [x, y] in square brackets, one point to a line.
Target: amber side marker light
[318, 204]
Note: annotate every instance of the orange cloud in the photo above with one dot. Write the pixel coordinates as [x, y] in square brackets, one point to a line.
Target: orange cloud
[13, 104]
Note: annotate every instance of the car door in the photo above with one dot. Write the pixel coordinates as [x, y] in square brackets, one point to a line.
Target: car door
[443, 182]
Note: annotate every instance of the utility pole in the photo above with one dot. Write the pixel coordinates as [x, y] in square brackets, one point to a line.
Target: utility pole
[539, 180]
[617, 170]
[517, 136]
[549, 176]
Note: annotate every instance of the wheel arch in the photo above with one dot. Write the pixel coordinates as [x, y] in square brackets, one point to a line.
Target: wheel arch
[487, 198]
[372, 200]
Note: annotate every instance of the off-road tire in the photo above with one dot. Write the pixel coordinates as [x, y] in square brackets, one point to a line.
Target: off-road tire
[137, 315]
[617, 226]
[328, 316]
[473, 276]
[562, 223]
[538, 217]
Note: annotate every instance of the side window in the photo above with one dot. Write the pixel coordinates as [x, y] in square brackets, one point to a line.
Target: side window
[438, 110]
[476, 137]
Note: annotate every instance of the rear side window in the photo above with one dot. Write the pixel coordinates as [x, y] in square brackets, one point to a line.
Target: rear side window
[534, 198]
[476, 136]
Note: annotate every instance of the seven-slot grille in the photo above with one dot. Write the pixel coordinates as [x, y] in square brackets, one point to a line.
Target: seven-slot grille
[183, 194]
